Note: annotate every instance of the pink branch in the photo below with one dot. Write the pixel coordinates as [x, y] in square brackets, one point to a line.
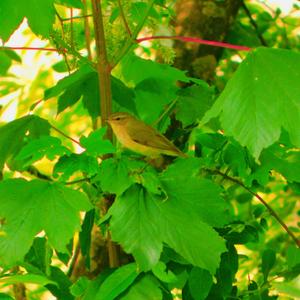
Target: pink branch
[34, 48]
[195, 40]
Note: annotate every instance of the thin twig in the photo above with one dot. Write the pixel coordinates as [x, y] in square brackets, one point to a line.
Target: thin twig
[87, 32]
[166, 111]
[130, 43]
[77, 181]
[35, 172]
[194, 40]
[65, 135]
[72, 30]
[33, 48]
[74, 260]
[253, 23]
[61, 23]
[269, 208]
[63, 36]
[85, 16]
[124, 19]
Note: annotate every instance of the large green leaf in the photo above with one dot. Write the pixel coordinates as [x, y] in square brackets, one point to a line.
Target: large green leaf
[27, 278]
[13, 134]
[48, 146]
[196, 195]
[152, 95]
[193, 102]
[132, 66]
[262, 97]
[68, 165]
[200, 282]
[144, 217]
[134, 225]
[146, 288]
[117, 282]
[95, 144]
[12, 14]
[84, 83]
[27, 208]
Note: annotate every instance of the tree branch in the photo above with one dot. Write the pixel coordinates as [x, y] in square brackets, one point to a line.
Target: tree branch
[65, 135]
[103, 66]
[87, 32]
[132, 41]
[269, 208]
[253, 23]
[104, 69]
[195, 40]
[124, 19]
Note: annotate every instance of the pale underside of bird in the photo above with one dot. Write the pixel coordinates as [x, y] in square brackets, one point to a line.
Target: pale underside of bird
[139, 137]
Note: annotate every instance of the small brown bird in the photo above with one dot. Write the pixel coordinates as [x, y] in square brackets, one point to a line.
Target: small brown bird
[139, 137]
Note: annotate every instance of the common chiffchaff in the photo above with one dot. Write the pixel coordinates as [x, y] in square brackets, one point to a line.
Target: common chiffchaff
[139, 137]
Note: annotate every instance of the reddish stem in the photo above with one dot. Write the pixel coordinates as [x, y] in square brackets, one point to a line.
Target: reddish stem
[33, 48]
[195, 40]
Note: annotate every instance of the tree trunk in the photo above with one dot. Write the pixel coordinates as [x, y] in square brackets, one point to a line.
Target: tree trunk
[206, 19]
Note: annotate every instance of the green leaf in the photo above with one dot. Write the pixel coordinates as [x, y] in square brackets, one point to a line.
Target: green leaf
[30, 207]
[133, 225]
[85, 236]
[141, 222]
[152, 95]
[290, 289]
[283, 161]
[5, 297]
[183, 231]
[123, 95]
[261, 98]
[95, 144]
[80, 286]
[293, 256]
[62, 289]
[268, 261]
[132, 65]
[145, 288]
[5, 62]
[200, 282]
[36, 149]
[198, 196]
[39, 255]
[84, 83]
[70, 3]
[161, 272]
[13, 13]
[117, 282]
[13, 134]
[68, 165]
[26, 278]
[116, 174]
[193, 102]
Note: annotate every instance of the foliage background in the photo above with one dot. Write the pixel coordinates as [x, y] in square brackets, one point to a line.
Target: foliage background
[160, 217]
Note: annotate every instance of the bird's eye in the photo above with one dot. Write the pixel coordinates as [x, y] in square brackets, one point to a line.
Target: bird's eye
[118, 119]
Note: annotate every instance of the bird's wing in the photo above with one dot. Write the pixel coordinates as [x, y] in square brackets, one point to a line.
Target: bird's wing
[148, 136]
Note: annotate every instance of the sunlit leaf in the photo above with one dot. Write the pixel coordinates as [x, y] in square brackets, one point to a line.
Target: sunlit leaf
[30, 207]
[261, 98]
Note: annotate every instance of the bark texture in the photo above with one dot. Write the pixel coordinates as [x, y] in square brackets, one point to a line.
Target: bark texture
[206, 19]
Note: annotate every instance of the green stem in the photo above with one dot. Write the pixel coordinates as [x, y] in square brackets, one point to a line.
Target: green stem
[124, 18]
[269, 208]
[131, 42]
[103, 67]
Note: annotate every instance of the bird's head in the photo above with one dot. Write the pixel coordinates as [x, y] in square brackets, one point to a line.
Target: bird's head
[119, 119]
